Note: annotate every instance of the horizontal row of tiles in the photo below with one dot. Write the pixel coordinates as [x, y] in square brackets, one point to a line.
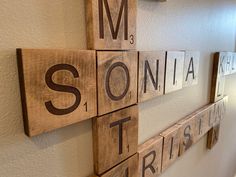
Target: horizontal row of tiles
[155, 155]
[61, 87]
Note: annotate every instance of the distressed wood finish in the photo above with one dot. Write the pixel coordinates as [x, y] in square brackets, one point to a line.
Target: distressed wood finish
[218, 77]
[170, 146]
[202, 118]
[150, 157]
[128, 168]
[191, 67]
[111, 24]
[187, 134]
[213, 136]
[58, 88]
[115, 138]
[174, 71]
[151, 74]
[117, 80]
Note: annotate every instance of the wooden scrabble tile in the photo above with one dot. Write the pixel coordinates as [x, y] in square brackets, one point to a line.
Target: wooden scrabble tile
[233, 63]
[213, 136]
[227, 61]
[117, 80]
[191, 67]
[170, 146]
[151, 74]
[187, 134]
[174, 71]
[111, 25]
[115, 138]
[128, 168]
[202, 121]
[150, 157]
[218, 77]
[220, 110]
[58, 88]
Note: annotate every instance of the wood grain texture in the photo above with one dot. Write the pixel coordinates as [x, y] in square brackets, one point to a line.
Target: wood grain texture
[174, 71]
[151, 74]
[115, 138]
[187, 134]
[150, 157]
[58, 88]
[128, 168]
[213, 136]
[117, 80]
[111, 24]
[218, 77]
[191, 67]
[170, 146]
[202, 118]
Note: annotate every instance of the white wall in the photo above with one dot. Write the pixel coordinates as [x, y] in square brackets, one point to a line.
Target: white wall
[204, 25]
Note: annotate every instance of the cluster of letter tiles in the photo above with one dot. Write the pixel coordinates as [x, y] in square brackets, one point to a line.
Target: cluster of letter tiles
[62, 87]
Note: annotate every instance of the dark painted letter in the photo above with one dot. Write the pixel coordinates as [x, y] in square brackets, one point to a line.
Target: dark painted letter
[62, 88]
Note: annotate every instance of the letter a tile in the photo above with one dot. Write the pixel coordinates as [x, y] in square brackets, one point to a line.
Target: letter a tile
[191, 66]
[150, 157]
[111, 24]
[58, 88]
[115, 138]
[151, 74]
[117, 80]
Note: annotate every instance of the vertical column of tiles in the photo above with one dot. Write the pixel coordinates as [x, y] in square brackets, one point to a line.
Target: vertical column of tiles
[58, 88]
[115, 138]
[151, 75]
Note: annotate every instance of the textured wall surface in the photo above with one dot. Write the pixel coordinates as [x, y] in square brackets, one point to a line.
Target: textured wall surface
[204, 25]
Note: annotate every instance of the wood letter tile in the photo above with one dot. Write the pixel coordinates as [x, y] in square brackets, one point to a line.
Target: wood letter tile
[151, 74]
[150, 157]
[218, 78]
[117, 80]
[191, 67]
[233, 63]
[228, 63]
[187, 132]
[174, 71]
[128, 168]
[202, 118]
[111, 24]
[213, 136]
[115, 138]
[171, 146]
[58, 88]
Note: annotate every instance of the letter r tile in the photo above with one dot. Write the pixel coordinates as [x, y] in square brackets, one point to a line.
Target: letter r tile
[150, 157]
[111, 24]
[117, 80]
[115, 138]
[58, 88]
